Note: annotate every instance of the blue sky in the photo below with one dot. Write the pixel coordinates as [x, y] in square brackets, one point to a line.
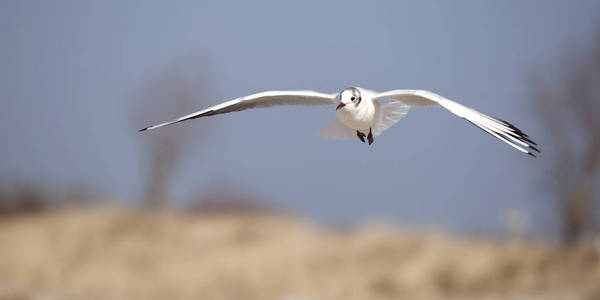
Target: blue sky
[72, 70]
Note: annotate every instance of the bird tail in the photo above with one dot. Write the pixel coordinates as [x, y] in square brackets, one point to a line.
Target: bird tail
[337, 131]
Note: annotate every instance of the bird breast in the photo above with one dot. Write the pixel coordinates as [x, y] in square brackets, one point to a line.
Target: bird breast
[359, 117]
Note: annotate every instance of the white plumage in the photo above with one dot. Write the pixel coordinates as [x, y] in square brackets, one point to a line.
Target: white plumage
[359, 112]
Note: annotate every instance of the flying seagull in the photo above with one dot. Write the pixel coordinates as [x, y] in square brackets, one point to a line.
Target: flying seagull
[360, 113]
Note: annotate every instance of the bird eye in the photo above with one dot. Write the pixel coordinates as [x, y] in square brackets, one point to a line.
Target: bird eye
[352, 98]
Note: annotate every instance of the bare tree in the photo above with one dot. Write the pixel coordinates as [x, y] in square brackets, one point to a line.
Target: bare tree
[23, 198]
[568, 104]
[177, 89]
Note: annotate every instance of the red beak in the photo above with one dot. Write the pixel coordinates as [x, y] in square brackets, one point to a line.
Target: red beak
[340, 106]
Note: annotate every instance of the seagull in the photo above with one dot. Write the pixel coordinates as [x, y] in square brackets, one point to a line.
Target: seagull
[363, 113]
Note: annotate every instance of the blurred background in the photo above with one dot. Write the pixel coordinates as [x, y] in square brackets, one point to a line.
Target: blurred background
[253, 205]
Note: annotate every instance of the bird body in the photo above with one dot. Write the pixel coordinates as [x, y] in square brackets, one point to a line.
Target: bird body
[360, 113]
[359, 117]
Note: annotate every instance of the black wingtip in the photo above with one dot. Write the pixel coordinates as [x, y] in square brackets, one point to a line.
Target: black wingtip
[529, 140]
[513, 127]
[143, 129]
[534, 148]
[531, 154]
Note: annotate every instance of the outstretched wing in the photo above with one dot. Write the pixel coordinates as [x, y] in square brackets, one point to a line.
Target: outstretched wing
[259, 100]
[500, 129]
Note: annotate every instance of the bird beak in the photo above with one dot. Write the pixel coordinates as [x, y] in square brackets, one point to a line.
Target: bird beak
[340, 105]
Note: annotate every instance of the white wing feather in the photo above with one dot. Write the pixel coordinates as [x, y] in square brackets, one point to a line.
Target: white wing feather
[259, 100]
[337, 131]
[500, 129]
[389, 114]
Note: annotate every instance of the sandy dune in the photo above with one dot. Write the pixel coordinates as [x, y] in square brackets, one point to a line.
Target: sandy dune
[114, 254]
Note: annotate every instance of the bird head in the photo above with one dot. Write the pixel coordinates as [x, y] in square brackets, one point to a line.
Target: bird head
[349, 96]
